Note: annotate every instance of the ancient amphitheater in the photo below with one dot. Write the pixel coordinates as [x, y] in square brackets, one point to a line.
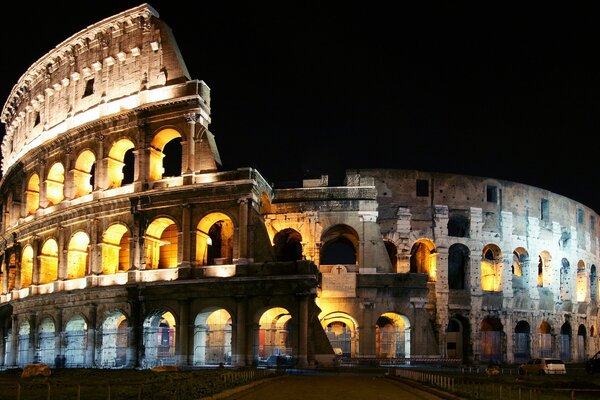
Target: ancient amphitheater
[124, 244]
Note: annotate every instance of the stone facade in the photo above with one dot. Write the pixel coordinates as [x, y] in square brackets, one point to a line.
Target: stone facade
[124, 245]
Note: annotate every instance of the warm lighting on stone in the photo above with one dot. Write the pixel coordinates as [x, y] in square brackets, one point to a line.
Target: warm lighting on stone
[116, 161]
[77, 255]
[82, 173]
[32, 196]
[26, 267]
[55, 184]
[115, 249]
[161, 244]
[49, 262]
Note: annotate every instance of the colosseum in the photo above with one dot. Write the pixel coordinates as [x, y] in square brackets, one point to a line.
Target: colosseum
[124, 244]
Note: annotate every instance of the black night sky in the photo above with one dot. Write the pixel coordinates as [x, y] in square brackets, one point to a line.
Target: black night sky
[299, 89]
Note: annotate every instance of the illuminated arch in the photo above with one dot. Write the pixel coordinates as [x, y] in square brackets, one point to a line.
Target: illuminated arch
[46, 340]
[287, 244]
[116, 162]
[83, 174]
[582, 282]
[544, 264]
[115, 249]
[342, 331]
[159, 339]
[77, 255]
[49, 262]
[114, 340]
[274, 333]
[212, 337]
[23, 352]
[392, 252]
[161, 244]
[76, 342]
[491, 268]
[32, 195]
[214, 239]
[55, 184]
[265, 204]
[423, 259]
[392, 336]
[340, 246]
[158, 144]
[546, 340]
[520, 263]
[26, 267]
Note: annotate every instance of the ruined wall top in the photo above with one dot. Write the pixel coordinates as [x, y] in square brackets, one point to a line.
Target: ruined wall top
[117, 64]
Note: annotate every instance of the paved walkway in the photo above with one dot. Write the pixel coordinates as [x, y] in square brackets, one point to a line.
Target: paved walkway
[333, 386]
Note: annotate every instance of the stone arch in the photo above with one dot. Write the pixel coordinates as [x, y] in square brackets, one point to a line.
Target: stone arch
[565, 342]
[274, 336]
[46, 340]
[458, 333]
[159, 333]
[119, 163]
[392, 252]
[544, 264]
[287, 244]
[582, 282]
[546, 344]
[8, 211]
[522, 345]
[339, 245]
[214, 239]
[115, 249]
[392, 336]
[212, 337]
[26, 266]
[520, 268]
[23, 351]
[581, 343]
[55, 184]
[159, 156]
[423, 259]
[49, 261]
[593, 283]
[114, 339]
[161, 243]
[342, 331]
[77, 255]
[491, 268]
[76, 342]
[83, 174]
[491, 335]
[32, 194]
[458, 266]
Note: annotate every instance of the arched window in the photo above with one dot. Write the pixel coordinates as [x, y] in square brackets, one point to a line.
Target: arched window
[55, 184]
[32, 195]
[165, 160]
[119, 164]
[161, 244]
[82, 174]
[77, 256]
[491, 268]
[287, 244]
[423, 259]
[340, 246]
[458, 261]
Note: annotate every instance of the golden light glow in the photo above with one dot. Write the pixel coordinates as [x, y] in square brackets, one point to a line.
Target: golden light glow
[116, 162]
[77, 256]
[156, 155]
[32, 195]
[204, 242]
[115, 249]
[424, 256]
[582, 282]
[491, 269]
[82, 173]
[26, 267]
[55, 184]
[218, 317]
[49, 262]
[169, 318]
[161, 244]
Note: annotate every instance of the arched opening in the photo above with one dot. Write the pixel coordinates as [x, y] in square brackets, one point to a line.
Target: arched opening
[159, 339]
[491, 340]
[288, 245]
[582, 282]
[161, 244]
[165, 160]
[212, 337]
[8, 347]
[77, 255]
[423, 259]
[115, 249]
[55, 184]
[458, 334]
[120, 163]
[459, 225]
[83, 178]
[491, 268]
[546, 340]
[520, 268]
[46, 336]
[32, 195]
[522, 342]
[392, 252]
[11, 269]
[114, 338]
[581, 343]
[274, 334]
[342, 332]
[458, 264]
[392, 336]
[76, 342]
[593, 283]
[544, 264]
[565, 342]
[49, 262]
[23, 353]
[214, 239]
[340, 246]
[26, 267]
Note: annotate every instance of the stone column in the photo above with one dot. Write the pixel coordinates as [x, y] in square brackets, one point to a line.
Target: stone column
[59, 332]
[14, 342]
[183, 333]
[35, 273]
[2, 346]
[100, 170]
[239, 352]
[142, 160]
[62, 254]
[187, 237]
[366, 331]
[189, 168]
[42, 171]
[32, 335]
[90, 351]
[95, 249]
[135, 348]
[243, 228]
[303, 331]
[69, 189]
[5, 262]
